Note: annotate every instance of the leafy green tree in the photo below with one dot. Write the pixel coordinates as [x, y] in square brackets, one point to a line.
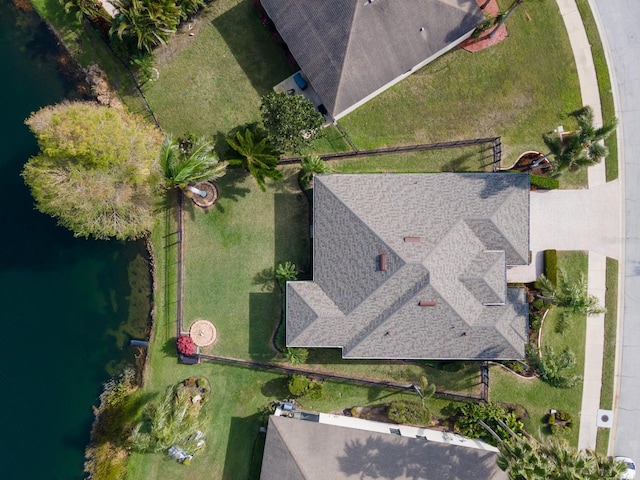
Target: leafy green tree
[524, 458]
[186, 162]
[555, 367]
[291, 121]
[581, 148]
[90, 8]
[312, 165]
[149, 23]
[173, 420]
[97, 171]
[257, 156]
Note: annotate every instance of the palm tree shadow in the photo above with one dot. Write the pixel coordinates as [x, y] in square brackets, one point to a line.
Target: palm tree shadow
[266, 278]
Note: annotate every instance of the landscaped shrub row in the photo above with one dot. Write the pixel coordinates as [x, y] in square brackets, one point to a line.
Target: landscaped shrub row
[546, 183]
[551, 265]
[411, 413]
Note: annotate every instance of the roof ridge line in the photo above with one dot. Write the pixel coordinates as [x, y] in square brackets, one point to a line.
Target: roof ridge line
[421, 283]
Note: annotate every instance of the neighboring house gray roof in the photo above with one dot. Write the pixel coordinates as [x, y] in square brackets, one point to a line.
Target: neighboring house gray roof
[299, 449]
[349, 49]
[447, 239]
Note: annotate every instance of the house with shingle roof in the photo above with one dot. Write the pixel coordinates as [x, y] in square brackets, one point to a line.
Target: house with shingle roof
[411, 266]
[322, 446]
[352, 50]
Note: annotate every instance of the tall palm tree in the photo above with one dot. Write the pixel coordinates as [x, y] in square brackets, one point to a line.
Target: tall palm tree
[189, 163]
[527, 459]
[581, 148]
[257, 156]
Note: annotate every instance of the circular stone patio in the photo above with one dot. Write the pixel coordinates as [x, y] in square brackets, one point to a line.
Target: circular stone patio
[203, 333]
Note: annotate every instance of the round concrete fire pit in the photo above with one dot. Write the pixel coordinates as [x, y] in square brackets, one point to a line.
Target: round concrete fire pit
[203, 333]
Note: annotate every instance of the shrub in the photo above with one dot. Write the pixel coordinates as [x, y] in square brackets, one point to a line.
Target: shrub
[296, 356]
[469, 414]
[185, 345]
[315, 391]
[412, 413]
[298, 385]
[301, 386]
[551, 265]
[546, 183]
[558, 421]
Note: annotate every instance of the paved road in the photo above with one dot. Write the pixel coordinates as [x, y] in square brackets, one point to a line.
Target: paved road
[620, 27]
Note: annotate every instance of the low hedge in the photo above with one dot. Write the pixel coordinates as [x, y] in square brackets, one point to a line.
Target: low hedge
[551, 265]
[546, 183]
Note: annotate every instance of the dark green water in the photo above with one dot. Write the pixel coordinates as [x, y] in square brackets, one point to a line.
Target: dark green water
[68, 305]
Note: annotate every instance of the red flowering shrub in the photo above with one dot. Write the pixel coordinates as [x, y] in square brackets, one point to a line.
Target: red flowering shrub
[185, 345]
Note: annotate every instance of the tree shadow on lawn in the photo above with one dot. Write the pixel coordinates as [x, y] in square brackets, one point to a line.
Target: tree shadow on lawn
[291, 227]
[262, 61]
[244, 448]
[263, 319]
[276, 388]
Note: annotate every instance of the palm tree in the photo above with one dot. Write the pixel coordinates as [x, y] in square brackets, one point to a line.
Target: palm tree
[527, 459]
[91, 8]
[189, 162]
[286, 272]
[311, 165]
[572, 296]
[257, 156]
[149, 22]
[584, 147]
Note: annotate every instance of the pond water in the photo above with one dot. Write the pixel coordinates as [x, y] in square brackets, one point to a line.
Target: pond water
[69, 306]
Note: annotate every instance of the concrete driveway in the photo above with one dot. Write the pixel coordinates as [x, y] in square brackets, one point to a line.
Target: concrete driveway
[571, 220]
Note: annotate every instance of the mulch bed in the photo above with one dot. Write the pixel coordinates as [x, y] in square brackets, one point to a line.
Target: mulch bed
[526, 160]
[483, 41]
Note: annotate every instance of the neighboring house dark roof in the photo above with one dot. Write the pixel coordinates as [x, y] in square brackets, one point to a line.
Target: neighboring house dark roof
[298, 449]
[446, 239]
[349, 49]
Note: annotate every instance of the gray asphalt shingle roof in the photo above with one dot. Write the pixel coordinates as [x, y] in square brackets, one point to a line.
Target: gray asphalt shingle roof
[351, 48]
[298, 449]
[464, 228]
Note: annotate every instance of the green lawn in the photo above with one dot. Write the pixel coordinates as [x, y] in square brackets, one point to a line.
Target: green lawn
[518, 89]
[212, 82]
[460, 159]
[230, 255]
[535, 395]
[609, 356]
